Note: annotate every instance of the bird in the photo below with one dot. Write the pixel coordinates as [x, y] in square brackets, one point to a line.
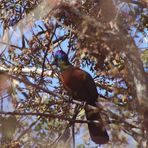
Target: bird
[81, 86]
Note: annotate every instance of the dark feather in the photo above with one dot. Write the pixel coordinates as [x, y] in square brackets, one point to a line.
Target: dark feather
[81, 87]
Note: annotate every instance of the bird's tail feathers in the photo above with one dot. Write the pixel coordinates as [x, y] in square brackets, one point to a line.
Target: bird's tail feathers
[96, 128]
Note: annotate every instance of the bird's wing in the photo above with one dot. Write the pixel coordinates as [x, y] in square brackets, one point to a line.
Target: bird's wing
[80, 84]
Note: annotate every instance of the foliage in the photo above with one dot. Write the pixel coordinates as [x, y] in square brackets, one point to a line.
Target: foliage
[95, 36]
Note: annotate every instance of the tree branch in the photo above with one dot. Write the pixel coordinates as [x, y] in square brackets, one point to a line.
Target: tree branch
[47, 115]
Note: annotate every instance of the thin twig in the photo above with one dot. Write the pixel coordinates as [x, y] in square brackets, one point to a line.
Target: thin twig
[47, 115]
[67, 127]
[11, 45]
[32, 124]
[46, 52]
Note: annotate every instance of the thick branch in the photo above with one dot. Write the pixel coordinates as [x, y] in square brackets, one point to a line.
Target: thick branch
[47, 115]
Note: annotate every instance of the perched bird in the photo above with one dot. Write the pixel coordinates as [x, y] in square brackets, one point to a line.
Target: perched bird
[81, 86]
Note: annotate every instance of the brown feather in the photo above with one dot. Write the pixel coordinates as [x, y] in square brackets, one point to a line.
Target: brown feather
[82, 87]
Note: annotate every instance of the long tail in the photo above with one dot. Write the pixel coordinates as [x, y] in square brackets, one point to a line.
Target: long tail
[97, 131]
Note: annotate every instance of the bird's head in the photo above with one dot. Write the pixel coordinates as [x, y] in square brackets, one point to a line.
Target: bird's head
[61, 59]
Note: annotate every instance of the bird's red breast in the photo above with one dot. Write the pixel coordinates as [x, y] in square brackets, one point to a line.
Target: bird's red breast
[80, 83]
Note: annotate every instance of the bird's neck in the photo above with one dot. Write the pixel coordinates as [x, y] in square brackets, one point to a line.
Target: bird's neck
[64, 65]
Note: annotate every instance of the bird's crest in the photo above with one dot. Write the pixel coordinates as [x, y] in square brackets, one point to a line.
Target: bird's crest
[60, 54]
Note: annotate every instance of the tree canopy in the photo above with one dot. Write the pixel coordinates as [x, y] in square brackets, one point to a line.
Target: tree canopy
[107, 38]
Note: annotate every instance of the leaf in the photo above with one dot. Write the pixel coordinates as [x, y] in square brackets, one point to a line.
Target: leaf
[81, 146]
